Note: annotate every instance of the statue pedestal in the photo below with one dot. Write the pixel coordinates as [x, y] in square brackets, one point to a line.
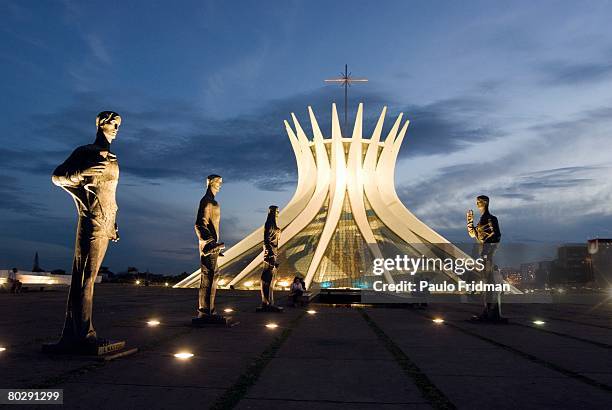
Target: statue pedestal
[486, 321]
[102, 349]
[269, 309]
[213, 320]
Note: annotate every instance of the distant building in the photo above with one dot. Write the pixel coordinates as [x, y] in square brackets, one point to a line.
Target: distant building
[106, 273]
[542, 273]
[36, 267]
[600, 261]
[571, 265]
[528, 272]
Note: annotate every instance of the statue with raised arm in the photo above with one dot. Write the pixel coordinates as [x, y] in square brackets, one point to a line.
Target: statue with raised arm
[207, 231]
[90, 175]
[488, 235]
[270, 248]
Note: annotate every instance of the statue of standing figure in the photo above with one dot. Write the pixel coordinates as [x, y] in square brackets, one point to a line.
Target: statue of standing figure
[207, 231]
[268, 276]
[90, 175]
[488, 235]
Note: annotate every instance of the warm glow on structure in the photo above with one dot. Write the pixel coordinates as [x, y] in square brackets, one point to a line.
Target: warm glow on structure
[344, 213]
[438, 321]
[222, 282]
[271, 325]
[183, 355]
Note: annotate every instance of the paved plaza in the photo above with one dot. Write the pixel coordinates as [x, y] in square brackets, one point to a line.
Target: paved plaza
[339, 357]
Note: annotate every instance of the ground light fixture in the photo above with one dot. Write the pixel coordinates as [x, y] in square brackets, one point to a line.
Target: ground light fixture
[283, 283]
[271, 325]
[183, 355]
[2, 348]
[153, 323]
[438, 320]
[538, 322]
[138, 282]
[311, 312]
[228, 310]
[166, 284]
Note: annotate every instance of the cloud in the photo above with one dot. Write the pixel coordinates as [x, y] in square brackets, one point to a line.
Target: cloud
[173, 141]
[98, 49]
[547, 185]
[13, 198]
[570, 73]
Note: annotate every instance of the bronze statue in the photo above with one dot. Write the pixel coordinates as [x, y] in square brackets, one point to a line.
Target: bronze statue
[488, 235]
[268, 276]
[90, 175]
[207, 230]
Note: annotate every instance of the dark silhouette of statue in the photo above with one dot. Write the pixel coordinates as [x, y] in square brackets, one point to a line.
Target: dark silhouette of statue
[488, 235]
[207, 231]
[90, 175]
[270, 247]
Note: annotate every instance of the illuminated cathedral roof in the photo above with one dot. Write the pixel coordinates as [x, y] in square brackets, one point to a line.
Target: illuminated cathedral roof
[344, 214]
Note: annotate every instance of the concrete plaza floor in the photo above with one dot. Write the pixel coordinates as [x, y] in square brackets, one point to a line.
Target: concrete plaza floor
[340, 357]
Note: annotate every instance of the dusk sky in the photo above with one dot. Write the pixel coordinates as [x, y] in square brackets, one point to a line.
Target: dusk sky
[509, 99]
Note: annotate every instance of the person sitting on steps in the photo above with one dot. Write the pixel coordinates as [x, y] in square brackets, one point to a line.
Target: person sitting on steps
[297, 290]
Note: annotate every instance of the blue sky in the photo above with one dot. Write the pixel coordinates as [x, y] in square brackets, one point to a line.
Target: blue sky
[511, 99]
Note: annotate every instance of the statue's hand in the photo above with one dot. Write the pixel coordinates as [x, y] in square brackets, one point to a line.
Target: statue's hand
[470, 218]
[94, 170]
[116, 238]
[219, 248]
[212, 249]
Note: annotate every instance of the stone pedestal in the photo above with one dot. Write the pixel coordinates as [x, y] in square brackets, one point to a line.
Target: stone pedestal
[488, 321]
[269, 309]
[100, 348]
[213, 320]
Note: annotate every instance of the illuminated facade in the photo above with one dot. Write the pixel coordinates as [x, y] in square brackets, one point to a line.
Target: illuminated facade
[344, 214]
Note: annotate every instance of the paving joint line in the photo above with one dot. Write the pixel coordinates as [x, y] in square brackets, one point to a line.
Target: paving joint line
[234, 394]
[560, 334]
[428, 389]
[545, 363]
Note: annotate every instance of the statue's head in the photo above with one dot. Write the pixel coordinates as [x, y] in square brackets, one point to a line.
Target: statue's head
[214, 182]
[108, 123]
[273, 210]
[482, 202]
[272, 215]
